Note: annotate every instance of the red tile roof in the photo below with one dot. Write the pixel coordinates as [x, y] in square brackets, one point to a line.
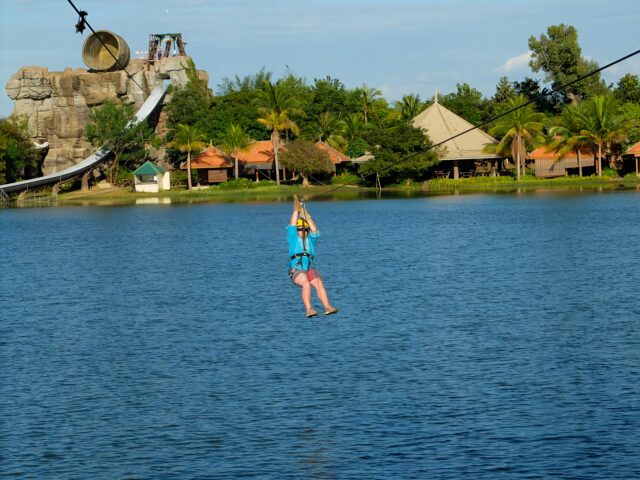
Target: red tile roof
[210, 157]
[541, 153]
[634, 150]
[336, 156]
[258, 152]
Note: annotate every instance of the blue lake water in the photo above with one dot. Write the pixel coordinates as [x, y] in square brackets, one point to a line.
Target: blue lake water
[480, 336]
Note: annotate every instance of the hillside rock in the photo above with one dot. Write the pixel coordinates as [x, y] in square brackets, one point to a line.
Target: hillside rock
[56, 105]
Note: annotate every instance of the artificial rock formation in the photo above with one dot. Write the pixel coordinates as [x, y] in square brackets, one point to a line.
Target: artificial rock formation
[56, 104]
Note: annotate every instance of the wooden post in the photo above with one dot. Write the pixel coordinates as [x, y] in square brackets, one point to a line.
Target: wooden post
[636, 166]
[456, 170]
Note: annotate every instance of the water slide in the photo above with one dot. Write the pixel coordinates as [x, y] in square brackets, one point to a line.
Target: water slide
[92, 161]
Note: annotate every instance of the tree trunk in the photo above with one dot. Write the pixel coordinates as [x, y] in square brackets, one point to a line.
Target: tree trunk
[189, 170]
[305, 181]
[579, 162]
[518, 159]
[235, 167]
[276, 146]
[599, 160]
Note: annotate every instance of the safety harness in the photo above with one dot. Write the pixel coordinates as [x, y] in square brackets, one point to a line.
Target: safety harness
[304, 252]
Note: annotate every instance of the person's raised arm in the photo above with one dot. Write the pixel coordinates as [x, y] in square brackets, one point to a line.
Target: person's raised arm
[296, 211]
[312, 224]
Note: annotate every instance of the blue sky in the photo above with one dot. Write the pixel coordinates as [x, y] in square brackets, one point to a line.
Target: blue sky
[398, 46]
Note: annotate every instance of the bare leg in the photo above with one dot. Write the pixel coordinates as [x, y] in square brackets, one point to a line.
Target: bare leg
[301, 280]
[318, 284]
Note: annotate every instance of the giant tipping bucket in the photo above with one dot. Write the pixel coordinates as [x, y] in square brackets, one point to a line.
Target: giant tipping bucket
[100, 48]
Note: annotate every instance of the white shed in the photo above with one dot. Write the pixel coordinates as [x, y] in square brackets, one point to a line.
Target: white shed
[151, 178]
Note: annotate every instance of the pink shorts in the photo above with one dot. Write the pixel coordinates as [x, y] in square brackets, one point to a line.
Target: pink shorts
[311, 274]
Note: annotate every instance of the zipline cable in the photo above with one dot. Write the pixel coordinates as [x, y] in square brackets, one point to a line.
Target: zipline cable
[493, 119]
[83, 20]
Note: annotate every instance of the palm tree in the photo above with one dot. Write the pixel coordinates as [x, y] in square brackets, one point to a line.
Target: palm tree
[565, 136]
[518, 129]
[368, 96]
[276, 108]
[353, 126]
[235, 140]
[410, 106]
[329, 128]
[188, 139]
[601, 125]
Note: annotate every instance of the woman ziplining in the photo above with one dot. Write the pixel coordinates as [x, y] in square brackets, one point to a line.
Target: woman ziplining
[302, 235]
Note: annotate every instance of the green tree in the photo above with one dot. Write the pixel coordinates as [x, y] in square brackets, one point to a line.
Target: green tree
[559, 56]
[368, 97]
[249, 83]
[401, 153]
[565, 136]
[328, 95]
[466, 102]
[357, 148]
[187, 106]
[602, 125]
[109, 126]
[630, 114]
[544, 101]
[328, 128]
[17, 155]
[188, 139]
[237, 108]
[353, 126]
[235, 140]
[410, 106]
[306, 159]
[628, 89]
[517, 130]
[195, 81]
[277, 105]
[504, 91]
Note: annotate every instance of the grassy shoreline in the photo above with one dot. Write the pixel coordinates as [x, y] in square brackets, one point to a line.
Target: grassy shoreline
[283, 193]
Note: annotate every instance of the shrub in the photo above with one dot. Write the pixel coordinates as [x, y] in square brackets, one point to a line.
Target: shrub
[239, 184]
[124, 178]
[346, 179]
[610, 173]
[264, 183]
[179, 179]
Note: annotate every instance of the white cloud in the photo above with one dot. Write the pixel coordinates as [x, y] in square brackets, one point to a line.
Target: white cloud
[515, 63]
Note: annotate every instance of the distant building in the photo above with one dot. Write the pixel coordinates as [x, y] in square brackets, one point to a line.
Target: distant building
[550, 164]
[257, 162]
[462, 154]
[212, 166]
[150, 177]
[630, 159]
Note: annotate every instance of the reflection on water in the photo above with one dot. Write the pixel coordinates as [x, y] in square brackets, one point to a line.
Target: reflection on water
[480, 336]
[153, 201]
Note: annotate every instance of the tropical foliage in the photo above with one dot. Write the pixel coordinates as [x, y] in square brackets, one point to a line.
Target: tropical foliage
[519, 131]
[307, 159]
[235, 141]
[108, 126]
[358, 120]
[18, 157]
[188, 139]
[277, 106]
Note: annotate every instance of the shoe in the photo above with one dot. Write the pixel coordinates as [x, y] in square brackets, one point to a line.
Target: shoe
[312, 313]
[331, 311]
